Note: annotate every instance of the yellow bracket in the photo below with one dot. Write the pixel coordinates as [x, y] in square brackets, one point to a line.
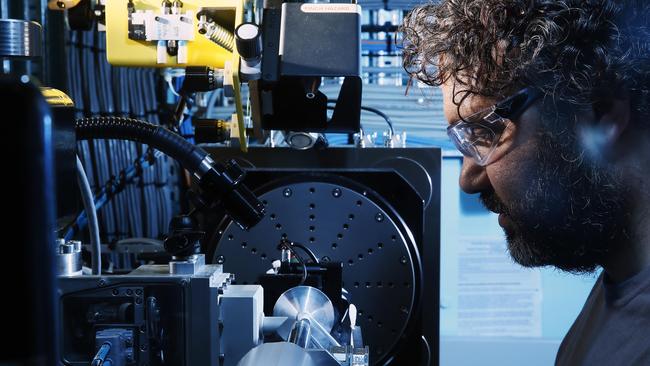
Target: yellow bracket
[122, 51]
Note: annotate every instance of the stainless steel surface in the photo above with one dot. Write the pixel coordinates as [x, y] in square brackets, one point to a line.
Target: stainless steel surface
[20, 38]
[187, 266]
[286, 354]
[68, 258]
[299, 301]
[304, 302]
[301, 333]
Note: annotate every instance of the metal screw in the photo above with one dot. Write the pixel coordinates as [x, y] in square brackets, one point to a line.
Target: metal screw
[138, 292]
[402, 260]
[220, 259]
[183, 283]
[325, 259]
[129, 292]
[102, 283]
[379, 217]
[287, 192]
[115, 292]
[336, 192]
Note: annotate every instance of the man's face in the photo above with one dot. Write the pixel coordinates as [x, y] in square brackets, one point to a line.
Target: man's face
[556, 207]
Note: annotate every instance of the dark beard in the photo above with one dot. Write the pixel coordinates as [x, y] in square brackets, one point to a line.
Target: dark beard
[573, 214]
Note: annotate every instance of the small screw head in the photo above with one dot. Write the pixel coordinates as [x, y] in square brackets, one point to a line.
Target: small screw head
[336, 192]
[115, 292]
[402, 260]
[220, 259]
[287, 192]
[379, 217]
[101, 282]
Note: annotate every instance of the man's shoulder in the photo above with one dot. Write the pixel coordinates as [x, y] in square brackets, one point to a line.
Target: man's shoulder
[574, 340]
[609, 329]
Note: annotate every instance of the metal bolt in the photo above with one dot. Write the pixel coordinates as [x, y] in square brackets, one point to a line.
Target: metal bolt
[336, 192]
[379, 217]
[101, 283]
[129, 292]
[115, 292]
[220, 259]
[402, 260]
[138, 292]
[287, 192]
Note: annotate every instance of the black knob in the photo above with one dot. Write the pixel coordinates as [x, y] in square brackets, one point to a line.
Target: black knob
[201, 79]
[249, 41]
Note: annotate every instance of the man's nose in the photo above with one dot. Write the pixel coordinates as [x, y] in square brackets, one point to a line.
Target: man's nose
[473, 177]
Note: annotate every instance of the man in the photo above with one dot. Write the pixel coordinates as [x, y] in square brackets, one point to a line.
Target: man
[549, 101]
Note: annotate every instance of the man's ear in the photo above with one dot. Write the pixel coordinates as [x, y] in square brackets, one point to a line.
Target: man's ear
[601, 132]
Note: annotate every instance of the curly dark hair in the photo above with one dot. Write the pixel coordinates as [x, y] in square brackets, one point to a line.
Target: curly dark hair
[577, 51]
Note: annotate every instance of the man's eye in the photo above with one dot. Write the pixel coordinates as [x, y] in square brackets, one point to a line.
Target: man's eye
[479, 135]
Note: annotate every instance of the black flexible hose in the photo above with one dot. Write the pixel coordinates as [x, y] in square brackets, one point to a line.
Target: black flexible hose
[220, 183]
[188, 155]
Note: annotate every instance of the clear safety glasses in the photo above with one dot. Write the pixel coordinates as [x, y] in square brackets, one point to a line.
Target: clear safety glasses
[478, 135]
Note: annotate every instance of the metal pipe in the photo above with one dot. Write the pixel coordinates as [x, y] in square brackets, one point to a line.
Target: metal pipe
[91, 213]
[301, 333]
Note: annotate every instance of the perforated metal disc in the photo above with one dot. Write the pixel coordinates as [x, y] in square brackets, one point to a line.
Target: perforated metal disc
[339, 224]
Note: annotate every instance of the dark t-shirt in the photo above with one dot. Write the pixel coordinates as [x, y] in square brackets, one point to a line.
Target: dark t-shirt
[613, 327]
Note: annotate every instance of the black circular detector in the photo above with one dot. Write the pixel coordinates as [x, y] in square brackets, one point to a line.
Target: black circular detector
[345, 223]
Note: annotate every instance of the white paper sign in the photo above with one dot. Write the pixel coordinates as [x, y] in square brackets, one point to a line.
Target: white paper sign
[496, 297]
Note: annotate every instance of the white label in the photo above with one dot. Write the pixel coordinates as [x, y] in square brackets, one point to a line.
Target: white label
[330, 8]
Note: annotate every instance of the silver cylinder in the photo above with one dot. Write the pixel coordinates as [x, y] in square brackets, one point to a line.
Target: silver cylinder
[69, 264]
[20, 38]
[301, 333]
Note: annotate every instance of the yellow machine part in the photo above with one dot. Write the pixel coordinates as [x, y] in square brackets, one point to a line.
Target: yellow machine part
[122, 51]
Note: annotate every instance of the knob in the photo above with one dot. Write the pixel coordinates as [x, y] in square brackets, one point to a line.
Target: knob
[248, 39]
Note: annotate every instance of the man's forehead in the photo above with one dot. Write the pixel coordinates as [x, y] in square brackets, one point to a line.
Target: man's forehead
[453, 93]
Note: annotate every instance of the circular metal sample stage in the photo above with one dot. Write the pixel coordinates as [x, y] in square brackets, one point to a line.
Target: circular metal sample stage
[340, 221]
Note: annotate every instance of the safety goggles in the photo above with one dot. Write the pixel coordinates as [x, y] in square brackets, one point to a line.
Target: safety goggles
[478, 135]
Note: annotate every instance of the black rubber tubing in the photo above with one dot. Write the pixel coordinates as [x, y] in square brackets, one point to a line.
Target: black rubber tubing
[160, 138]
